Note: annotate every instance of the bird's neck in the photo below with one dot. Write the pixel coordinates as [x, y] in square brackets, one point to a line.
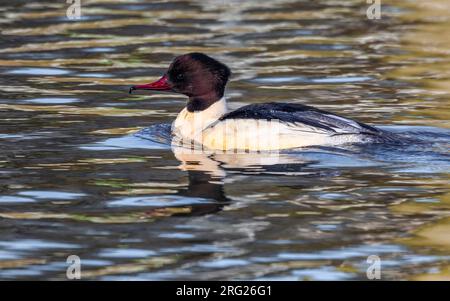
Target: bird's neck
[203, 102]
[190, 123]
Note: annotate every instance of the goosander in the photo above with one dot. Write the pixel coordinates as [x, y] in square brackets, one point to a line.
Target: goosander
[269, 126]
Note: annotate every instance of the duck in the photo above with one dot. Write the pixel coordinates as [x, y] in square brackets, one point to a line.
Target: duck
[206, 121]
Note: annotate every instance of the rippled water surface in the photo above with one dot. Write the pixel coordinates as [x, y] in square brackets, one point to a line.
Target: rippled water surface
[75, 178]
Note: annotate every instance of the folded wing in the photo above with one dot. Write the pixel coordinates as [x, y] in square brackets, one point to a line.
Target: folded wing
[303, 119]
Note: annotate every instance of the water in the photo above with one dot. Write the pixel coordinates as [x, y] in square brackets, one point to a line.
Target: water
[87, 169]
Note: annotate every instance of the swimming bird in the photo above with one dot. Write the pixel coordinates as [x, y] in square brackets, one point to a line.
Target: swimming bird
[206, 120]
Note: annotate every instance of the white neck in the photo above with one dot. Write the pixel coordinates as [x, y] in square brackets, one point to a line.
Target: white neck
[190, 124]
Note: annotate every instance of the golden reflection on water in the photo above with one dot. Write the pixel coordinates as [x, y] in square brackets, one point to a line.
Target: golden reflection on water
[428, 64]
[427, 61]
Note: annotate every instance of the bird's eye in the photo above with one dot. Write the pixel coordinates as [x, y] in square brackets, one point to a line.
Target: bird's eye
[180, 76]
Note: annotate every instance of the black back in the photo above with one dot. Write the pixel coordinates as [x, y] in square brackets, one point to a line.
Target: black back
[292, 113]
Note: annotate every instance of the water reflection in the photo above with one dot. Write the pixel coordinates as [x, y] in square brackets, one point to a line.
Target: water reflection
[87, 169]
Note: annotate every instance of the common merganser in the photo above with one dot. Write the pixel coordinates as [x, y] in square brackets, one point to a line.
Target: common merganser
[268, 126]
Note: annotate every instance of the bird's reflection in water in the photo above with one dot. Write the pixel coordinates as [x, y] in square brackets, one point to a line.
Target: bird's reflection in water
[207, 172]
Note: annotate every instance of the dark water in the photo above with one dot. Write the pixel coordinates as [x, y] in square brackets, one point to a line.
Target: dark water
[76, 179]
